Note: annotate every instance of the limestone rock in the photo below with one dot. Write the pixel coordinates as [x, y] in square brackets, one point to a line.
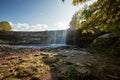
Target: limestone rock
[107, 43]
[106, 39]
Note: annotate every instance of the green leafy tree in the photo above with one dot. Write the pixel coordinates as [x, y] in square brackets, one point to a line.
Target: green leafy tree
[79, 19]
[76, 2]
[74, 21]
[5, 26]
[103, 15]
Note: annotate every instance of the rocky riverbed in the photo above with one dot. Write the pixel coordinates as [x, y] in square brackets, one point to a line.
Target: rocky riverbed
[68, 49]
[54, 63]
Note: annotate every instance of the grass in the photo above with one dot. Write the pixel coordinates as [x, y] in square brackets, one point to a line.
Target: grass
[27, 66]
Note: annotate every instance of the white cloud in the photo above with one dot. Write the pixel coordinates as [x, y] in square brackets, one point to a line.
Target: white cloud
[27, 27]
[62, 25]
[38, 27]
[20, 26]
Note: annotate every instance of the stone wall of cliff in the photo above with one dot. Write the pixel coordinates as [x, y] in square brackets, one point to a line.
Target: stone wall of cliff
[42, 37]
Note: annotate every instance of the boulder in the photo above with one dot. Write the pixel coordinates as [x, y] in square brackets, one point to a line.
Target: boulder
[107, 43]
[106, 39]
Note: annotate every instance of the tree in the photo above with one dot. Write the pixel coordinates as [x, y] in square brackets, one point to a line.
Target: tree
[106, 17]
[81, 16]
[74, 21]
[103, 15]
[76, 2]
[5, 26]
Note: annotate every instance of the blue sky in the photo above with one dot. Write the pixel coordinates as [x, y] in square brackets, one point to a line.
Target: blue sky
[35, 15]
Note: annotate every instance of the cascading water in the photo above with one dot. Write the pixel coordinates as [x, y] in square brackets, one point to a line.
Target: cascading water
[54, 40]
[64, 35]
[60, 37]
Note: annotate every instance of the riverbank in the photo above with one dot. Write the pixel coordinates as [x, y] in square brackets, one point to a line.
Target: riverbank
[58, 63]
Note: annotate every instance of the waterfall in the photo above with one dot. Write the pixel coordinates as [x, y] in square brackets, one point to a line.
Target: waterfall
[54, 40]
[60, 37]
[64, 35]
[57, 37]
